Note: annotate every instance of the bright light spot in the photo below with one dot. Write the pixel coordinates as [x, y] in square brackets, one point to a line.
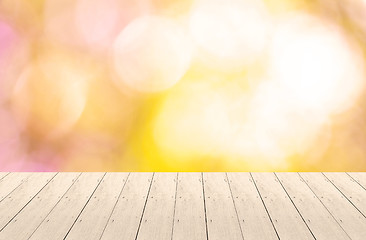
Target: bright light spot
[260, 129]
[51, 94]
[276, 128]
[233, 33]
[151, 54]
[316, 65]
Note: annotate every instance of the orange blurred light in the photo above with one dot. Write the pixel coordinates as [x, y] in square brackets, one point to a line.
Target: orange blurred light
[51, 94]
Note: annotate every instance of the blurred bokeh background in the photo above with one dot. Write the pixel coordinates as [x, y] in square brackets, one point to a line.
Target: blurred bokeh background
[182, 85]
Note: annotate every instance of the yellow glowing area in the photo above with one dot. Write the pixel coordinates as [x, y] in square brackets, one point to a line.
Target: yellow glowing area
[182, 85]
[227, 122]
[188, 113]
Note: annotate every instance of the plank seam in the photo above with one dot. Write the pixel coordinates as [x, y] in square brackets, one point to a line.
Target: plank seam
[323, 204]
[101, 180]
[143, 210]
[344, 195]
[115, 205]
[54, 207]
[21, 182]
[204, 204]
[175, 202]
[356, 181]
[265, 207]
[4, 176]
[283, 187]
[28, 202]
[232, 198]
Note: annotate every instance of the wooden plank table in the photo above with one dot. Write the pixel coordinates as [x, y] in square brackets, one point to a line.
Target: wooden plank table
[181, 206]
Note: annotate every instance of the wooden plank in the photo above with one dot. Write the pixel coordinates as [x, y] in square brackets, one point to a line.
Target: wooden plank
[24, 224]
[12, 181]
[280, 208]
[346, 215]
[350, 189]
[3, 174]
[20, 197]
[319, 220]
[189, 216]
[222, 220]
[359, 177]
[253, 217]
[181, 206]
[127, 213]
[157, 221]
[57, 224]
[93, 219]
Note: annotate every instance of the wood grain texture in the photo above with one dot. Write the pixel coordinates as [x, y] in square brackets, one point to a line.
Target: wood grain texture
[351, 220]
[57, 224]
[179, 206]
[3, 174]
[24, 224]
[157, 221]
[253, 216]
[280, 208]
[350, 189]
[22, 195]
[189, 217]
[11, 182]
[90, 224]
[126, 216]
[222, 220]
[319, 220]
[359, 177]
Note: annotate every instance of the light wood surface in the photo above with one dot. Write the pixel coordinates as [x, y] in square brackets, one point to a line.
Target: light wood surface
[359, 177]
[126, 217]
[3, 174]
[351, 220]
[350, 189]
[58, 223]
[320, 221]
[253, 217]
[11, 182]
[177, 206]
[189, 216]
[280, 208]
[22, 195]
[24, 224]
[93, 219]
[157, 221]
[222, 219]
